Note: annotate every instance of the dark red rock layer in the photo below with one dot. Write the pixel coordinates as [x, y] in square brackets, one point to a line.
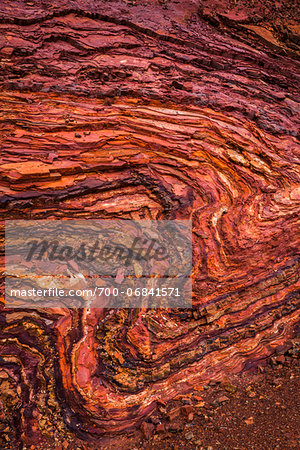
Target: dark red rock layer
[150, 110]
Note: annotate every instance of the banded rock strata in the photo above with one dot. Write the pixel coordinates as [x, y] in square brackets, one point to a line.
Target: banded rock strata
[150, 110]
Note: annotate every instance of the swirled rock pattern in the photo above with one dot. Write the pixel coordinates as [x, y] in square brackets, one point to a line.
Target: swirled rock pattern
[151, 110]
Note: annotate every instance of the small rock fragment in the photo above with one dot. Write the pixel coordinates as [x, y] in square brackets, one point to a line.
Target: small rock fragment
[190, 417]
[175, 427]
[280, 359]
[230, 388]
[222, 399]
[147, 429]
[187, 409]
[200, 404]
[189, 435]
[160, 428]
[249, 421]
[174, 413]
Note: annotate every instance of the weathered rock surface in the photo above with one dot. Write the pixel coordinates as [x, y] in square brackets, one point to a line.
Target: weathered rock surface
[150, 110]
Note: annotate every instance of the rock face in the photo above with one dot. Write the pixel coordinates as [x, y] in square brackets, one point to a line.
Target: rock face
[150, 110]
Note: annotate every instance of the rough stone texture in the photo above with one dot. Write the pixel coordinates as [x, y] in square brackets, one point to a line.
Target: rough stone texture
[156, 110]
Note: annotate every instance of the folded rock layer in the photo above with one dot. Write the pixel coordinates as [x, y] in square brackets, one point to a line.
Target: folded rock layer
[151, 110]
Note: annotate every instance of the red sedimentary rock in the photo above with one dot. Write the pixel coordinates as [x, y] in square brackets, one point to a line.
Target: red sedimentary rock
[150, 110]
